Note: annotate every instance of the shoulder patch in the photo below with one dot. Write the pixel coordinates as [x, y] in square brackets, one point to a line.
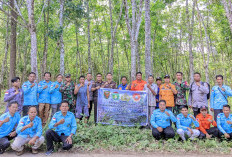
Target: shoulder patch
[21, 122]
[53, 118]
[6, 92]
[25, 86]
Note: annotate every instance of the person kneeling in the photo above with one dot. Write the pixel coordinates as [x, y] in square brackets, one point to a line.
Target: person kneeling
[64, 127]
[29, 131]
[160, 121]
[205, 120]
[224, 123]
[184, 122]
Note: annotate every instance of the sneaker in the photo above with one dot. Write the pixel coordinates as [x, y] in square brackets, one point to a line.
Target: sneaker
[49, 152]
[34, 151]
[1, 151]
[19, 153]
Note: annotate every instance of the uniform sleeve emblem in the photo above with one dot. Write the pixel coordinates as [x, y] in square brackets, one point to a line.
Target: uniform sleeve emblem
[6, 92]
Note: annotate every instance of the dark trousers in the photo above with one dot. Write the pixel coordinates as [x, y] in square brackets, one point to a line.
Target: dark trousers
[216, 112]
[26, 108]
[5, 142]
[90, 108]
[95, 110]
[196, 111]
[166, 134]
[52, 136]
[212, 131]
[221, 134]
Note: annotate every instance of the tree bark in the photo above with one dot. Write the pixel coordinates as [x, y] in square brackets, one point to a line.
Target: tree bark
[62, 68]
[89, 40]
[228, 11]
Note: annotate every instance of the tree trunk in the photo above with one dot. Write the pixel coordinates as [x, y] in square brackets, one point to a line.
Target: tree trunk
[32, 30]
[78, 52]
[89, 40]
[13, 38]
[228, 10]
[148, 67]
[62, 68]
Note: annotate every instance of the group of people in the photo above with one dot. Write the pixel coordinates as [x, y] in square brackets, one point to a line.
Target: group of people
[71, 103]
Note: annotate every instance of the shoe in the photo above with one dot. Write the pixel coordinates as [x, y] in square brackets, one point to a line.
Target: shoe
[49, 152]
[34, 151]
[2, 151]
[19, 153]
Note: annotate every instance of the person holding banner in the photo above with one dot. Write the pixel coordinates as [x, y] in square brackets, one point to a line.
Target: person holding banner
[167, 91]
[124, 85]
[95, 86]
[138, 84]
[109, 83]
[151, 88]
[160, 121]
[219, 96]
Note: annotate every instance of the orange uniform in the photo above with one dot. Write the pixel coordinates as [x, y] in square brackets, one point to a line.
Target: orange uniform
[205, 123]
[138, 85]
[167, 94]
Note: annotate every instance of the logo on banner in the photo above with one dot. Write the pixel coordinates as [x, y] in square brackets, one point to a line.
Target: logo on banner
[115, 95]
[125, 97]
[136, 97]
[106, 94]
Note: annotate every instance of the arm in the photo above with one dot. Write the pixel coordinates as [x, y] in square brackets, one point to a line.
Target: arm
[73, 125]
[204, 89]
[214, 123]
[52, 122]
[186, 86]
[21, 126]
[190, 98]
[9, 96]
[76, 90]
[173, 88]
[88, 94]
[172, 117]
[93, 88]
[153, 91]
[62, 88]
[201, 128]
[52, 88]
[39, 129]
[228, 91]
[26, 88]
[195, 122]
[212, 98]
[152, 121]
[219, 125]
[179, 126]
[40, 87]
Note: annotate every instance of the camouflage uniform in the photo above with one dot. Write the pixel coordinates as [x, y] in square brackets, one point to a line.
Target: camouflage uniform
[68, 95]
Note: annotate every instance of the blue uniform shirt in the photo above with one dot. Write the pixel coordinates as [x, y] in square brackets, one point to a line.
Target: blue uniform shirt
[123, 87]
[44, 95]
[218, 98]
[161, 119]
[8, 127]
[29, 94]
[69, 125]
[185, 122]
[56, 95]
[222, 124]
[35, 130]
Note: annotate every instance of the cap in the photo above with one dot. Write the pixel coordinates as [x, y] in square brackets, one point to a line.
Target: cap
[167, 76]
[158, 78]
[67, 75]
[203, 108]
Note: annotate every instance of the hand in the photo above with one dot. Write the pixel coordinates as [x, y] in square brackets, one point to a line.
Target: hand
[167, 113]
[229, 122]
[186, 83]
[7, 119]
[56, 86]
[16, 92]
[30, 125]
[88, 105]
[98, 87]
[198, 84]
[45, 87]
[67, 84]
[208, 136]
[223, 89]
[69, 140]
[106, 83]
[89, 83]
[157, 100]
[32, 141]
[33, 84]
[148, 86]
[227, 135]
[191, 116]
[211, 121]
[160, 129]
[12, 134]
[61, 121]
[81, 85]
[168, 86]
[190, 106]
[211, 109]
[190, 130]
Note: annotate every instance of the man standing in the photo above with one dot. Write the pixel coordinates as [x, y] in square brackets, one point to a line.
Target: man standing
[29, 131]
[44, 97]
[30, 89]
[14, 94]
[8, 122]
[219, 96]
[160, 121]
[56, 95]
[198, 94]
[205, 120]
[61, 129]
[97, 85]
[67, 90]
[124, 85]
[89, 82]
[184, 124]
[158, 82]
[224, 123]
[167, 91]
[180, 97]
[138, 84]
[109, 82]
[151, 88]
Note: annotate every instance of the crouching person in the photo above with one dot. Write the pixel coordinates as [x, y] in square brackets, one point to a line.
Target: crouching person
[184, 123]
[224, 123]
[29, 131]
[8, 123]
[160, 121]
[61, 129]
[205, 120]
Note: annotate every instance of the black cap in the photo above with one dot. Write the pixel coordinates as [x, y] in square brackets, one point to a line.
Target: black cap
[67, 75]
[158, 78]
[167, 76]
[203, 108]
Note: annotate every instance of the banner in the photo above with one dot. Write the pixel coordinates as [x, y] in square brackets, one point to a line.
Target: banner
[122, 107]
